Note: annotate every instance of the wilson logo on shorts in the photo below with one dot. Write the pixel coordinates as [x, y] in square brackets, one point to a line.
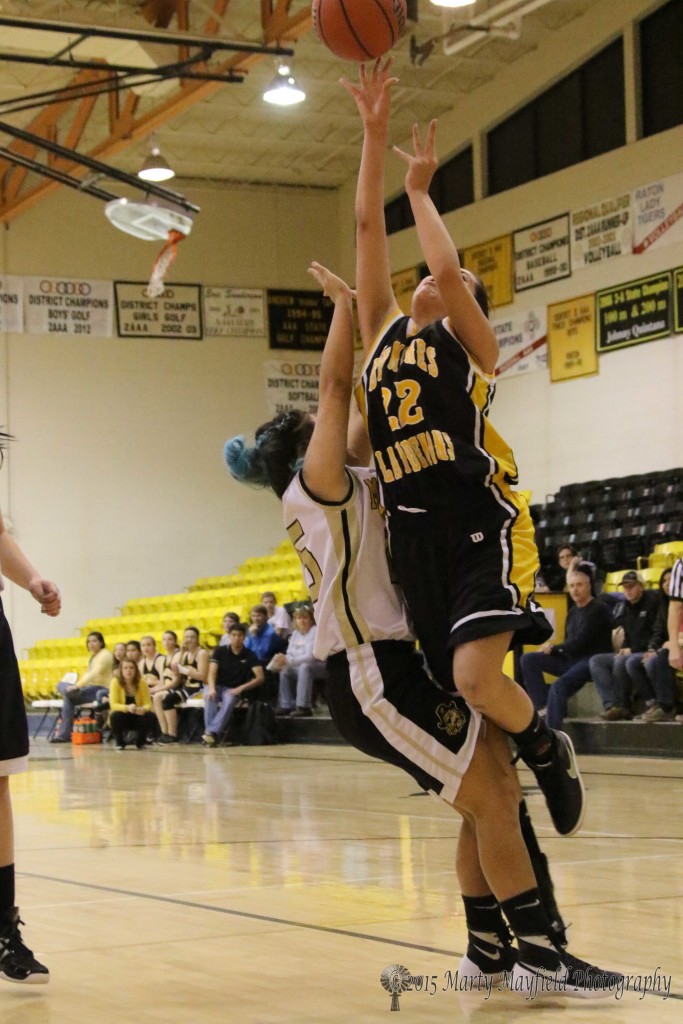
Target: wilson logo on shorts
[476, 537]
[451, 719]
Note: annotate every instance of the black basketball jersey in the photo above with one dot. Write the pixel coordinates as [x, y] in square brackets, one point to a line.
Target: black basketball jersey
[425, 403]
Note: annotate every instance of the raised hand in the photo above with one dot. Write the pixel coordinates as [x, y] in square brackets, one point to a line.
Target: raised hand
[423, 162]
[373, 94]
[334, 287]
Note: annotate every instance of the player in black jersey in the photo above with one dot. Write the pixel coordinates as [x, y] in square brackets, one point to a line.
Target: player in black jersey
[380, 697]
[17, 963]
[462, 540]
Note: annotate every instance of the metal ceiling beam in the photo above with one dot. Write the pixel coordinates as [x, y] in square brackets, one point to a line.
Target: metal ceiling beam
[87, 163]
[278, 25]
[161, 71]
[137, 36]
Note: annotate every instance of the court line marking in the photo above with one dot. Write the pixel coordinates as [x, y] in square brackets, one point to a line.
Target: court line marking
[326, 929]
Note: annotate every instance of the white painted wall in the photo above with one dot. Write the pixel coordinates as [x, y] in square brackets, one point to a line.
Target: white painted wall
[116, 486]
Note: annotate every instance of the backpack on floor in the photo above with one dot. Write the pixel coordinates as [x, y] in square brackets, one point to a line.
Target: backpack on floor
[260, 725]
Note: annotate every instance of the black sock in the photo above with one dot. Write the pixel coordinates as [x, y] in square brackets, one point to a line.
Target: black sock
[535, 743]
[539, 863]
[483, 914]
[7, 894]
[532, 929]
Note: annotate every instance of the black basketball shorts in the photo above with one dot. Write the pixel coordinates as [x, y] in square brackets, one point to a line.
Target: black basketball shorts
[384, 703]
[468, 571]
[13, 723]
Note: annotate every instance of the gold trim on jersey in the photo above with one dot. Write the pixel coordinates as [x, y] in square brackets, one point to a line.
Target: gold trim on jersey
[391, 317]
[472, 361]
[354, 629]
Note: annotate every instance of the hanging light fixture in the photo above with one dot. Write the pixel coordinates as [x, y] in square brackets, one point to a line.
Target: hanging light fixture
[453, 3]
[283, 91]
[155, 167]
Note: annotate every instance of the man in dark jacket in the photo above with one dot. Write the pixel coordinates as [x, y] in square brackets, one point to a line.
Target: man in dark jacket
[608, 671]
[588, 632]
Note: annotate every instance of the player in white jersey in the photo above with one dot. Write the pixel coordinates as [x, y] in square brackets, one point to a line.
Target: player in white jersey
[380, 697]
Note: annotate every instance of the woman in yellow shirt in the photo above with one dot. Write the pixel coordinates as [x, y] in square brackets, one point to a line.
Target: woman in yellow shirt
[87, 689]
[130, 704]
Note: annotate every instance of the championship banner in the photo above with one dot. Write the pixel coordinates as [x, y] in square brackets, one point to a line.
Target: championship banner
[602, 231]
[523, 342]
[541, 253]
[234, 312]
[298, 319]
[658, 213]
[492, 262]
[678, 300]
[633, 313]
[56, 305]
[292, 384]
[404, 283]
[571, 338]
[176, 314]
[12, 304]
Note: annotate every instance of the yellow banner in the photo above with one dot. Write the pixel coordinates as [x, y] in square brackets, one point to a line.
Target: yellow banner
[492, 262]
[571, 338]
[404, 283]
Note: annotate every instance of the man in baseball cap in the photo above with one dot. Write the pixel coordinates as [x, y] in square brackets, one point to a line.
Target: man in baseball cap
[609, 672]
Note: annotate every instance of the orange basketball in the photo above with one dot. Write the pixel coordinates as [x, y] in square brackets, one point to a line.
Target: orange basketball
[359, 29]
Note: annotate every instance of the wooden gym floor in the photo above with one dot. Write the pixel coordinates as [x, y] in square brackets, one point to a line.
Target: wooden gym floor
[274, 884]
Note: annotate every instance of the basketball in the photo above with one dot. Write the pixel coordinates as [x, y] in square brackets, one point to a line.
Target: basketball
[359, 30]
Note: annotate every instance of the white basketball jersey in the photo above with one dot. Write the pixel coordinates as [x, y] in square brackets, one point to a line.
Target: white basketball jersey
[342, 548]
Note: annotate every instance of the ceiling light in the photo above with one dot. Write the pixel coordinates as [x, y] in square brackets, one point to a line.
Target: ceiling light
[453, 3]
[155, 168]
[283, 91]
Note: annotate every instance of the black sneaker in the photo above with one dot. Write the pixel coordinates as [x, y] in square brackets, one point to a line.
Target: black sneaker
[17, 962]
[574, 979]
[561, 784]
[489, 958]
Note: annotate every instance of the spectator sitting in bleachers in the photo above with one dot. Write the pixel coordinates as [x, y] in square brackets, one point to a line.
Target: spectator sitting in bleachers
[278, 617]
[567, 558]
[588, 632]
[230, 619]
[299, 670]
[97, 677]
[131, 705]
[262, 639]
[150, 662]
[134, 651]
[169, 678]
[119, 653]
[233, 670]
[636, 616]
[653, 678]
[102, 695]
[169, 654]
[190, 668]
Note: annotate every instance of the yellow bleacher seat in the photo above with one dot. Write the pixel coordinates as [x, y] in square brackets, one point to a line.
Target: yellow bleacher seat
[203, 605]
[651, 575]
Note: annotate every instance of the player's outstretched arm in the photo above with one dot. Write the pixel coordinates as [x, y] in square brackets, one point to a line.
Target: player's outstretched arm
[17, 568]
[373, 276]
[323, 470]
[464, 313]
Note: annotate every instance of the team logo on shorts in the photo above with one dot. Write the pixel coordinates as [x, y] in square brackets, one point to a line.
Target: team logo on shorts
[451, 718]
